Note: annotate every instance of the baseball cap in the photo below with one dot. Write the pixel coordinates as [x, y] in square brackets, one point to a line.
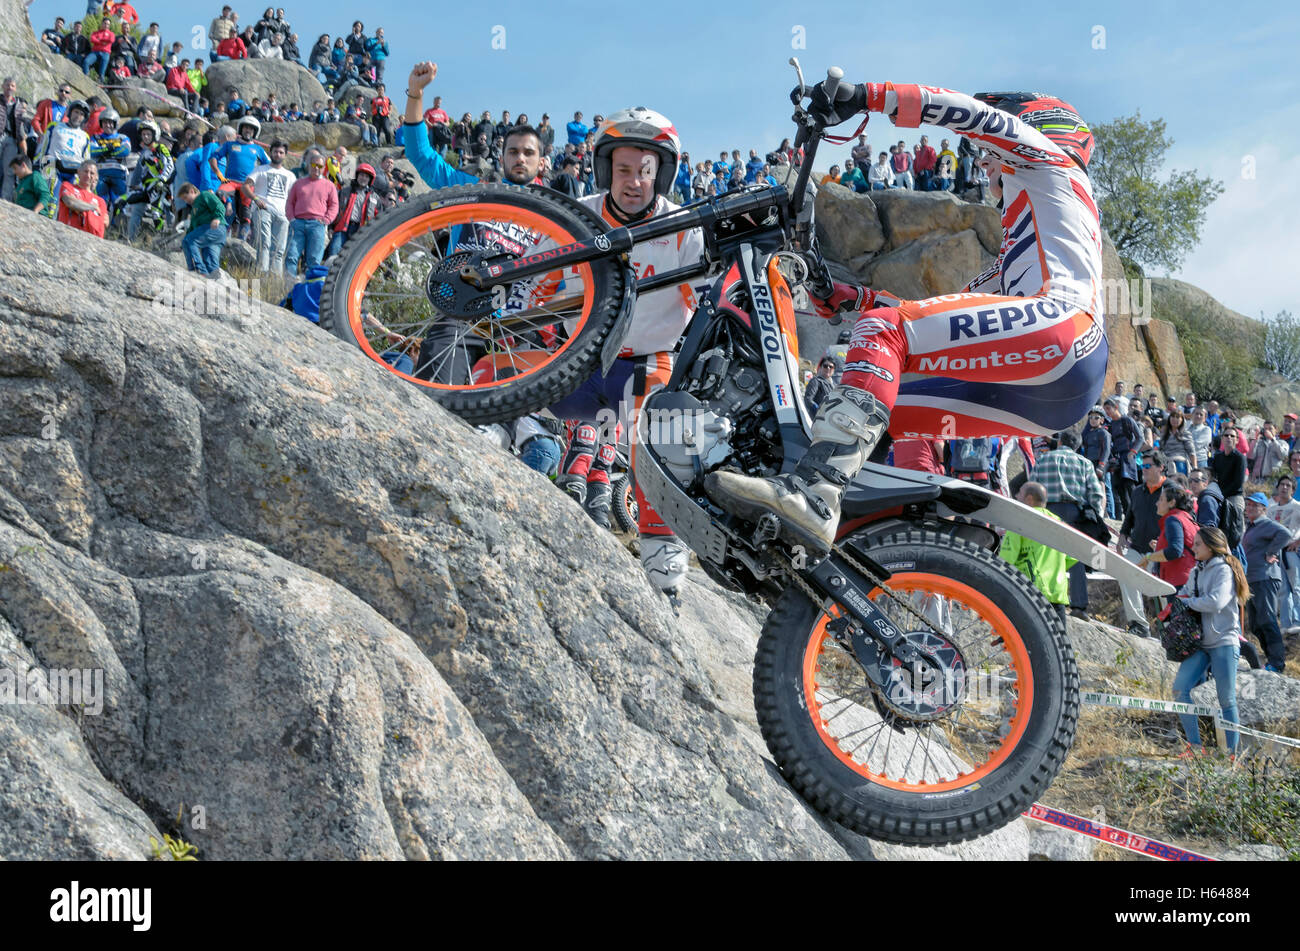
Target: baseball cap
[1291, 416]
[1258, 497]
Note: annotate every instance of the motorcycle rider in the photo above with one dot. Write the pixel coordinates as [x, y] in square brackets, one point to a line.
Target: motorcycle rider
[66, 144]
[1021, 351]
[635, 163]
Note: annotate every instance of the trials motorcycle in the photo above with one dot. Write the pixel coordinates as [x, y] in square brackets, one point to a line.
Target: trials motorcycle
[911, 685]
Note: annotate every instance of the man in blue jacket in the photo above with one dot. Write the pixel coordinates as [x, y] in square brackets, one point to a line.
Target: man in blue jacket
[577, 130]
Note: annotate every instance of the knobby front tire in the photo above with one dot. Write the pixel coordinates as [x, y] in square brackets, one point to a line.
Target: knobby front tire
[948, 780]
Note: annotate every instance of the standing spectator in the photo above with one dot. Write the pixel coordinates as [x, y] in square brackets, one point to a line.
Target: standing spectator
[1229, 470]
[31, 191]
[861, 152]
[925, 162]
[110, 150]
[1201, 437]
[753, 166]
[881, 175]
[14, 128]
[312, 206]
[1118, 396]
[1267, 453]
[268, 188]
[381, 108]
[267, 26]
[79, 206]
[240, 157]
[577, 131]
[377, 49]
[1209, 499]
[207, 232]
[820, 385]
[1285, 510]
[1263, 543]
[66, 144]
[1216, 589]
[945, 150]
[150, 44]
[358, 203]
[1212, 417]
[1073, 494]
[1177, 443]
[943, 175]
[50, 111]
[356, 40]
[967, 153]
[545, 133]
[1094, 445]
[1172, 549]
[1046, 567]
[902, 164]
[980, 176]
[839, 352]
[1288, 431]
[1123, 466]
[1140, 528]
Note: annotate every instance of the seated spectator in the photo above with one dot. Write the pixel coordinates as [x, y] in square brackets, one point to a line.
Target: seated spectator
[380, 109]
[881, 175]
[820, 385]
[944, 174]
[53, 36]
[852, 177]
[231, 48]
[76, 44]
[101, 46]
[174, 57]
[290, 48]
[831, 177]
[125, 48]
[207, 231]
[150, 68]
[355, 117]
[271, 47]
[79, 206]
[119, 73]
[31, 191]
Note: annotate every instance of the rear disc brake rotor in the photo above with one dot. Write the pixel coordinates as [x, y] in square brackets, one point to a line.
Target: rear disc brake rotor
[928, 689]
[451, 294]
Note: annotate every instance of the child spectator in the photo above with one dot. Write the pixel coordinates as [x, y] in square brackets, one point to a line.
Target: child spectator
[207, 232]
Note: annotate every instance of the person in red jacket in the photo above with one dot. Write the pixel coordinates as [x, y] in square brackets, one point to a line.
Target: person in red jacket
[924, 163]
[79, 206]
[358, 203]
[123, 11]
[1172, 551]
[232, 47]
[178, 84]
[101, 42]
[50, 111]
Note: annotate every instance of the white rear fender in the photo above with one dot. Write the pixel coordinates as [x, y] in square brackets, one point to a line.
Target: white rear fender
[963, 498]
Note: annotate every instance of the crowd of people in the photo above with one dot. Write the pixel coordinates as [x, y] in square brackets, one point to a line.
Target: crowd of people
[922, 168]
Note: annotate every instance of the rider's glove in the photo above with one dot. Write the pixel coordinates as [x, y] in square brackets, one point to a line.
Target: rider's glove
[844, 297]
[849, 101]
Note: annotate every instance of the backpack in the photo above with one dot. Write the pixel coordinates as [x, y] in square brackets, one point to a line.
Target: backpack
[972, 455]
[304, 298]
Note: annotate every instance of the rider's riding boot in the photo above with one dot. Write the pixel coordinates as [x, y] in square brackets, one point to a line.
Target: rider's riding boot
[598, 495]
[848, 425]
[666, 562]
[575, 486]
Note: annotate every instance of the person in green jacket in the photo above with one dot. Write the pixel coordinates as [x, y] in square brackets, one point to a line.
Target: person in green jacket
[853, 178]
[1046, 567]
[207, 234]
[32, 191]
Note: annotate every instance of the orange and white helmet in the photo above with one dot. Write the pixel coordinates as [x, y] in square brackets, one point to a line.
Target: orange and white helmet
[641, 128]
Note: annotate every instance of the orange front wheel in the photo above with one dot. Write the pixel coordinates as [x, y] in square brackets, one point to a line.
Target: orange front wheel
[939, 753]
[489, 353]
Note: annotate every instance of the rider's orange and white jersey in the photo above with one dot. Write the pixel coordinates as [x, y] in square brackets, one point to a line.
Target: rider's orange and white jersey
[661, 315]
[1051, 235]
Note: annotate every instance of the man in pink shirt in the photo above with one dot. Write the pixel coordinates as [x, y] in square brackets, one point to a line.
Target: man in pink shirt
[926, 158]
[313, 203]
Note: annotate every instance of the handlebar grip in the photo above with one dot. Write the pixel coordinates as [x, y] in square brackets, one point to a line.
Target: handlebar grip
[832, 83]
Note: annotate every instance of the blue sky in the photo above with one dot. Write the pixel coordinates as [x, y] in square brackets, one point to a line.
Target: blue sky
[1223, 77]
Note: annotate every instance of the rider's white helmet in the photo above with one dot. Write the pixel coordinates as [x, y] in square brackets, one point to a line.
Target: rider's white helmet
[249, 120]
[644, 129]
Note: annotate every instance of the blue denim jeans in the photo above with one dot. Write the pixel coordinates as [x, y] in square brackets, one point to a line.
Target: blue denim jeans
[542, 454]
[1222, 663]
[1288, 602]
[306, 240]
[202, 248]
[398, 360]
[95, 58]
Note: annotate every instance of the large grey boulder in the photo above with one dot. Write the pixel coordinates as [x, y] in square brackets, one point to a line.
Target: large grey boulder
[23, 56]
[847, 225]
[258, 77]
[137, 92]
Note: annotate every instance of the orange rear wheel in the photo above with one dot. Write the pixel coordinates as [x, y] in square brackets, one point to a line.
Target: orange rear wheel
[489, 354]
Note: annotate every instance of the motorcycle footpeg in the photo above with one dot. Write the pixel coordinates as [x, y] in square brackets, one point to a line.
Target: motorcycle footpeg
[766, 531]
